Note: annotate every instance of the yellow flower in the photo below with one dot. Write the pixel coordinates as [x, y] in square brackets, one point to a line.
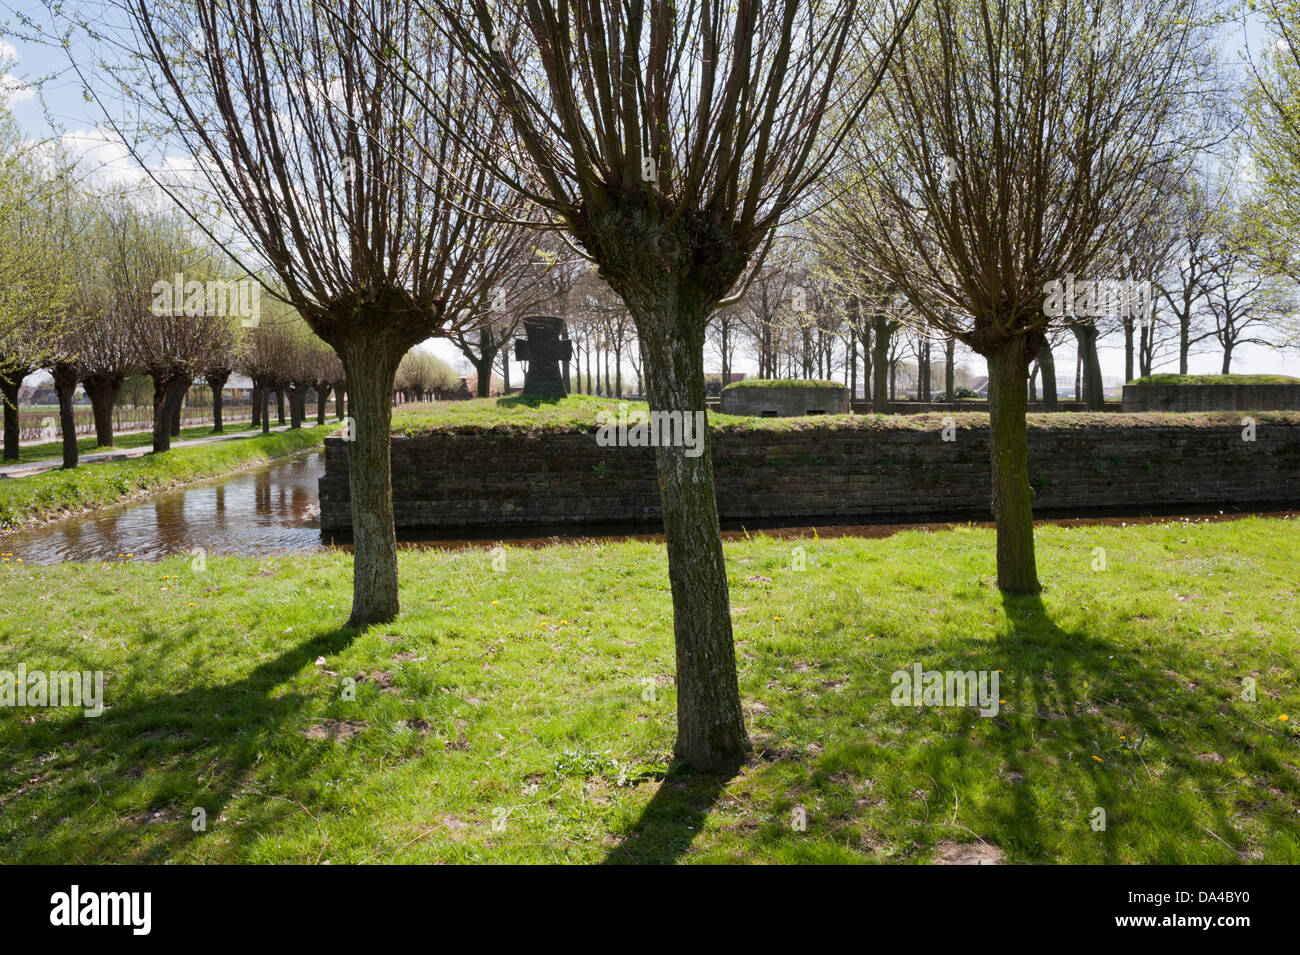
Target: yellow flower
[1283, 717]
[494, 603]
[1099, 759]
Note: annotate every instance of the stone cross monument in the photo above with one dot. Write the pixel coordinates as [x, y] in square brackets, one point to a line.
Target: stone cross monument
[543, 350]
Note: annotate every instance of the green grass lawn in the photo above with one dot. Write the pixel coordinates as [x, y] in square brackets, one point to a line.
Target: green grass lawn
[507, 715]
[1171, 379]
[36, 498]
[579, 412]
[53, 450]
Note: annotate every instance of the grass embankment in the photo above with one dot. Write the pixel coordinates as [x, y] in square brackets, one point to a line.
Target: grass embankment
[1169, 379]
[578, 413]
[37, 498]
[507, 716]
[784, 383]
[53, 450]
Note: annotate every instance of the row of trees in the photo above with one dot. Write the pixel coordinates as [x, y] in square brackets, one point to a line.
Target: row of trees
[137, 294]
[389, 163]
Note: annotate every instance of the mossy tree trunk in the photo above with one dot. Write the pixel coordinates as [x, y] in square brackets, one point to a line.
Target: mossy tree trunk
[671, 276]
[711, 733]
[371, 366]
[1013, 497]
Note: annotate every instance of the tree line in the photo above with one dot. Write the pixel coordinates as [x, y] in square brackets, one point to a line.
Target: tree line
[401, 169]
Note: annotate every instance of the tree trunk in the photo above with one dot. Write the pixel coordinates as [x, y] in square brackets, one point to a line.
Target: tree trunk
[1013, 509]
[175, 420]
[322, 398]
[852, 371]
[711, 734]
[1094, 397]
[65, 385]
[258, 402]
[297, 402]
[880, 361]
[371, 369]
[168, 393]
[279, 403]
[266, 407]
[102, 390]
[1184, 339]
[340, 403]
[483, 368]
[9, 385]
[1128, 348]
[217, 381]
[1227, 358]
[1047, 366]
[950, 368]
[866, 362]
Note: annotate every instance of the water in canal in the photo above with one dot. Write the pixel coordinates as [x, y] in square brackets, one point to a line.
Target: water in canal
[275, 510]
[267, 510]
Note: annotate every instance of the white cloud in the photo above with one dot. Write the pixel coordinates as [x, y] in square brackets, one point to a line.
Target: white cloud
[13, 90]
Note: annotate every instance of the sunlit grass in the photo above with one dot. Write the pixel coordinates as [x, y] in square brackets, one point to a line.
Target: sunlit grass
[53, 450]
[527, 714]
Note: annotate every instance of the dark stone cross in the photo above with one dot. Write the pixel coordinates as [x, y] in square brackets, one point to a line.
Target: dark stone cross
[544, 349]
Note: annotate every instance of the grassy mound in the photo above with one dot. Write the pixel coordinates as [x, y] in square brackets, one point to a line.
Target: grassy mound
[1216, 380]
[784, 383]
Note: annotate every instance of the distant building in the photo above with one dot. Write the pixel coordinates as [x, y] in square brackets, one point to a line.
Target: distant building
[37, 396]
[980, 386]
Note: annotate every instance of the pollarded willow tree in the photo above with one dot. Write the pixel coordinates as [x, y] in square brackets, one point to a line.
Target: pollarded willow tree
[1010, 147]
[312, 157]
[668, 138]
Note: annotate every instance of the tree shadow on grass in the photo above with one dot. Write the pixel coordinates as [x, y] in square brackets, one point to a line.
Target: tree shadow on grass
[1097, 725]
[162, 757]
[671, 820]
[1089, 721]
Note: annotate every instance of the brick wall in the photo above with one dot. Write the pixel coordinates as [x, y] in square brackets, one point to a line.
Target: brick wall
[861, 474]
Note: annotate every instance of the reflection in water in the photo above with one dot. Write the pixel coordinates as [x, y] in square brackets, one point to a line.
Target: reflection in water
[268, 510]
[274, 510]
